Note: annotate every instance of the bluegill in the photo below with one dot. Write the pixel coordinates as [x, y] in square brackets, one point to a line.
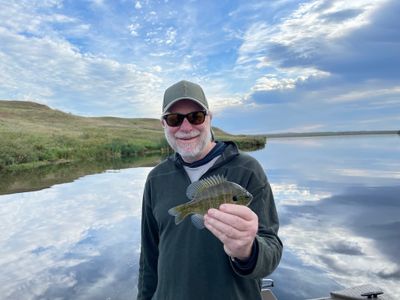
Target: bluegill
[208, 193]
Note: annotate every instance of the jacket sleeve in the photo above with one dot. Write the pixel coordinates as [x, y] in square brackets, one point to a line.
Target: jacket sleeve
[268, 242]
[147, 281]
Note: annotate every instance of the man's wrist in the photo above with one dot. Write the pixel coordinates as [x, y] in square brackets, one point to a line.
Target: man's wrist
[248, 265]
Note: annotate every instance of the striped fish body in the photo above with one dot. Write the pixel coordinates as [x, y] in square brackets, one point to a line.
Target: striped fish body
[209, 193]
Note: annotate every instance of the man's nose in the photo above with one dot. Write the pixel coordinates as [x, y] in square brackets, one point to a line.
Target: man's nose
[186, 125]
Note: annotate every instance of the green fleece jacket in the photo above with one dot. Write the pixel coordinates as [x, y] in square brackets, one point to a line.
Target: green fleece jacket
[181, 262]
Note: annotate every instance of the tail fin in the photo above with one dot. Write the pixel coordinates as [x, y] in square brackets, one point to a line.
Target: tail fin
[174, 211]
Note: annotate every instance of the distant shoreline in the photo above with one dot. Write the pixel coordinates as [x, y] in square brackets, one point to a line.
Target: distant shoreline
[331, 133]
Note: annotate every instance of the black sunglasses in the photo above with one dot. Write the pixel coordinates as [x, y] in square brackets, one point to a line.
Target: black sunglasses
[194, 118]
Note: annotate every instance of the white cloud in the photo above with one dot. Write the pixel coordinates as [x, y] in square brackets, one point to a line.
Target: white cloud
[219, 101]
[52, 70]
[301, 32]
[157, 69]
[27, 18]
[307, 128]
[170, 36]
[138, 5]
[391, 119]
[272, 82]
[133, 29]
[366, 92]
[305, 27]
[99, 3]
[286, 78]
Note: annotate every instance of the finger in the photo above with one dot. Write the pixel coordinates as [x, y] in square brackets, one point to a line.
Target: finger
[214, 230]
[230, 219]
[241, 211]
[226, 230]
[236, 247]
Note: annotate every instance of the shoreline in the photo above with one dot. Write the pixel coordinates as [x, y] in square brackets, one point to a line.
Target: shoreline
[330, 133]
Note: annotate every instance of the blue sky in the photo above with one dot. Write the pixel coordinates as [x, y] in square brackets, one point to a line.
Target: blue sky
[266, 66]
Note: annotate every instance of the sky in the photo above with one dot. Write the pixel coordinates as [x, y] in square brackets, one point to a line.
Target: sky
[265, 66]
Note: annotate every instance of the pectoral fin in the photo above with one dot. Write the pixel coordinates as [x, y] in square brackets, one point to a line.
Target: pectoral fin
[198, 221]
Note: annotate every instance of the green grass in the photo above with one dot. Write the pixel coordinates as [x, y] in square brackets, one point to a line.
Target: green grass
[32, 134]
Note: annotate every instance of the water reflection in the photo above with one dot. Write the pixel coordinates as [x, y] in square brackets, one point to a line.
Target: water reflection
[338, 201]
[339, 204]
[49, 175]
[77, 240]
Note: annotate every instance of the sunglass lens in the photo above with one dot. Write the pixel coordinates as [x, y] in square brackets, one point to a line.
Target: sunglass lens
[174, 120]
[196, 118]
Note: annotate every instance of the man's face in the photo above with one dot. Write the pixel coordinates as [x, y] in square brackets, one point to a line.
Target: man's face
[192, 142]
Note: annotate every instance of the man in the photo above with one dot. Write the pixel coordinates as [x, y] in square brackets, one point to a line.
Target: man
[239, 245]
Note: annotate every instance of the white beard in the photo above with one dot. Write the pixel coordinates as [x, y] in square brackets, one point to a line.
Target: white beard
[193, 151]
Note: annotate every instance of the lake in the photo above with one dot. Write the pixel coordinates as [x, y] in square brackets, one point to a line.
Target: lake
[338, 199]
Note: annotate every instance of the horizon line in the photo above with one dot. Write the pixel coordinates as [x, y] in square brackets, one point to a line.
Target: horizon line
[331, 133]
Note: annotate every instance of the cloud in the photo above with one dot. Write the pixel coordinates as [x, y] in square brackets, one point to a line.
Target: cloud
[138, 5]
[333, 48]
[55, 72]
[133, 29]
[366, 93]
[301, 32]
[315, 61]
[94, 254]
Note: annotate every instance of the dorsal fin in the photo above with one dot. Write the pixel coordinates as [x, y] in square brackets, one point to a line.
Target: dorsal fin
[199, 186]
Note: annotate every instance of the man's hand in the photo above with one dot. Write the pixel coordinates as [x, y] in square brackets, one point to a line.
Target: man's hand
[235, 226]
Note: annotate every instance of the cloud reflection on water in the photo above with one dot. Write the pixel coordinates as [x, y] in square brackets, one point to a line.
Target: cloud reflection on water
[75, 241]
[339, 213]
[351, 238]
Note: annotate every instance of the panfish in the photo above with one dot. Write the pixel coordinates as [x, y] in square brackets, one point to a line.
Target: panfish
[208, 193]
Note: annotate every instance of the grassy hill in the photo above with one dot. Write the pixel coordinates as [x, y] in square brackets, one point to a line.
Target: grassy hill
[33, 134]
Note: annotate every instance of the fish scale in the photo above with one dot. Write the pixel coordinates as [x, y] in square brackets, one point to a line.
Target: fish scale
[208, 193]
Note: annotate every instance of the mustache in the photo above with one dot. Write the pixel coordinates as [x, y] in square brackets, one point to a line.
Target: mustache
[187, 135]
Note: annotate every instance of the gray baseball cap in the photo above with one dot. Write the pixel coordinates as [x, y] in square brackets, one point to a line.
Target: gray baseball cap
[184, 90]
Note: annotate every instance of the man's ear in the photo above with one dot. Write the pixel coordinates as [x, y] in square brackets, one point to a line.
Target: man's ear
[162, 121]
[210, 114]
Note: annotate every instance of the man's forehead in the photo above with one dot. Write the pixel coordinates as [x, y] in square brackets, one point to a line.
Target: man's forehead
[187, 104]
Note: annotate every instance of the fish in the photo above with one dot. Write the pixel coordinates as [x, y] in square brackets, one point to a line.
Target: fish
[208, 193]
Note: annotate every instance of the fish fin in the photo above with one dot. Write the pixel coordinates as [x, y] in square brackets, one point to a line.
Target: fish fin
[198, 187]
[198, 221]
[177, 214]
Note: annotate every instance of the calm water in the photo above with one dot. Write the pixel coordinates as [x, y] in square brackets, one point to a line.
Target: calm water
[338, 201]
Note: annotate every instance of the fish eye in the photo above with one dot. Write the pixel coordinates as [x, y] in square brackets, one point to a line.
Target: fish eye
[235, 198]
